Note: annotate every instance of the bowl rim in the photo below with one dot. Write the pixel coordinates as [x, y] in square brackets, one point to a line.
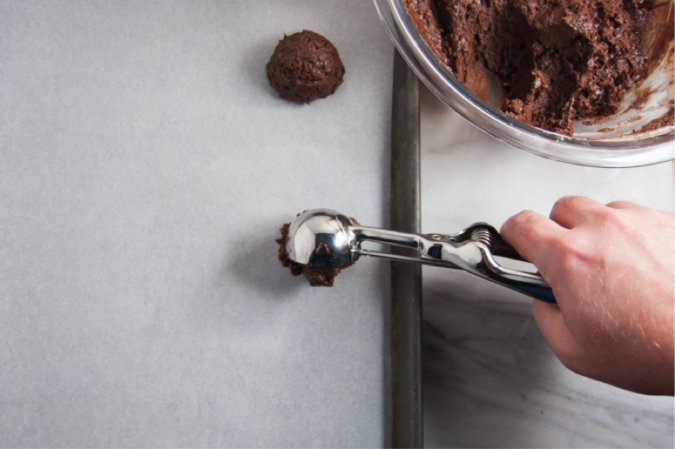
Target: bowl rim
[594, 153]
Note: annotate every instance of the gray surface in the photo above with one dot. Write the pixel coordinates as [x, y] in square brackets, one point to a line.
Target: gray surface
[145, 167]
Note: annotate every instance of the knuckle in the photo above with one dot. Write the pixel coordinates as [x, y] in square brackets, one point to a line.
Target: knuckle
[617, 220]
[607, 214]
[524, 222]
[620, 204]
[569, 202]
[571, 255]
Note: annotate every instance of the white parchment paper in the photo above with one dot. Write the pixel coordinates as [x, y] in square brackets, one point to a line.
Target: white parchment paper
[145, 168]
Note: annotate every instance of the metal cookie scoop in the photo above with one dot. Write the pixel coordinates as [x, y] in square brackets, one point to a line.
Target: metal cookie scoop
[326, 238]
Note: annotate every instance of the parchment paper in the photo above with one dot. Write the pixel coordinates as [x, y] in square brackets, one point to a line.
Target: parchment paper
[145, 168]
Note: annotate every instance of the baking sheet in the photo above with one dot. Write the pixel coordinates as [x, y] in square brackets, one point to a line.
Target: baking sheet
[145, 169]
[406, 278]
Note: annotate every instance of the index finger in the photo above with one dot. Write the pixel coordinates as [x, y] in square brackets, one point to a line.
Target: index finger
[533, 236]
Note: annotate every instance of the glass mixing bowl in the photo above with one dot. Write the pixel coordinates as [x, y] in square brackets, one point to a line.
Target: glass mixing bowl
[615, 142]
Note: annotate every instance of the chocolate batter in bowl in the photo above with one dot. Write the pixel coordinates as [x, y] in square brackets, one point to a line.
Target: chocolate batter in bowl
[587, 126]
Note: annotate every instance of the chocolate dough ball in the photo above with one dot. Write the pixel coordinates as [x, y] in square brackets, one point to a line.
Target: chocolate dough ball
[305, 66]
[317, 276]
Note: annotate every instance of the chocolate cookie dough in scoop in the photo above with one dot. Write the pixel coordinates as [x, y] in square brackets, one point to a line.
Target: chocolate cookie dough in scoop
[317, 276]
[305, 66]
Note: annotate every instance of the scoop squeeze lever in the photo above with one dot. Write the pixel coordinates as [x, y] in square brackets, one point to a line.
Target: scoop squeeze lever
[326, 238]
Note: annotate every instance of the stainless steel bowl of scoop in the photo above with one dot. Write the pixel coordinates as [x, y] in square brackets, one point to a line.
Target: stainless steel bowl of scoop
[326, 238]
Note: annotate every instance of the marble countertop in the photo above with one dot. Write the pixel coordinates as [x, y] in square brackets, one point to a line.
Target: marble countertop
[145, 168]
[490, 379]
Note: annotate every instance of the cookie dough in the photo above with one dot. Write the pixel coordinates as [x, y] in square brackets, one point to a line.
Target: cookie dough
[317, 277]
[556, 60]
[305, 66]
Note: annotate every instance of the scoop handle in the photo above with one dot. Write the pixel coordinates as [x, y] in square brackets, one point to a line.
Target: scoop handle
[477, 247]
[472, 250]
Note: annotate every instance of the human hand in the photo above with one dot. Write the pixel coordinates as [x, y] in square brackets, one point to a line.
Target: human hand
[612, 272]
